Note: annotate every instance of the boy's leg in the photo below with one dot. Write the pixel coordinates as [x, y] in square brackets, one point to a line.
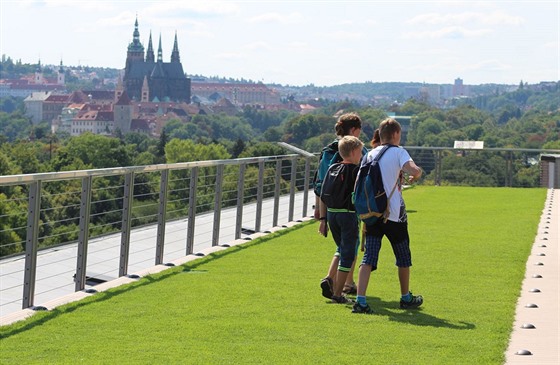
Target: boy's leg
[339, 282]
[397, 233]
[404, 279]
[328, 282]
[348, 224]
[373, 237]
[350, 286]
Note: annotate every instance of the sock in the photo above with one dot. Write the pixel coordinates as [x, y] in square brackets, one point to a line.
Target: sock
[407, 297]
[361, 299]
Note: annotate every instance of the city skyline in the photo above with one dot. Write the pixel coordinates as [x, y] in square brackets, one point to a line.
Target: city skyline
[298, 43]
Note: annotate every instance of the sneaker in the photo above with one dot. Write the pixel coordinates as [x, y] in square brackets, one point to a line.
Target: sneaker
[357, 308]
[415, 302]
[350, 289]
[327, 287]
[341, 300]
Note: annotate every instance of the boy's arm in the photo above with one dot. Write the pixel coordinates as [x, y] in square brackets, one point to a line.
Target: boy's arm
[412, 170]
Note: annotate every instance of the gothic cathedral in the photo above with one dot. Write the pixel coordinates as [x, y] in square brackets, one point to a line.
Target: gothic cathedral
[149, 79]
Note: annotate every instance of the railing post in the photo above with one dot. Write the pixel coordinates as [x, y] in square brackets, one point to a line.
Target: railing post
[162, 215]
[217, 205]
[437, 180]
[509, 168]
[83, 236]
[260, 189]
[192, 210]
[31, 243]
[306, 186]
[292, 190]
[277, 183]
[240, 197]
[126, 222]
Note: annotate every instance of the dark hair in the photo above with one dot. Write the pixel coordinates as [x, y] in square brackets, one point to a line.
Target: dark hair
[387, 128]
[346, 122]
[376, 140]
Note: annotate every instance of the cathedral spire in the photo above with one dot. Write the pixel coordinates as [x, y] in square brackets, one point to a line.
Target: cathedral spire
[159, 51]
[135, 45]
[175, 53]
[150, 51]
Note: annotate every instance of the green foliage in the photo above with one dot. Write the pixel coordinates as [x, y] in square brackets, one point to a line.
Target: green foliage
[301, 128]
[14, 125]
[262, 120]
[93, 150]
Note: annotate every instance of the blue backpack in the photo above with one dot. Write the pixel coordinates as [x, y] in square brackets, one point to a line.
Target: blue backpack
[370, 198]
[329, 155]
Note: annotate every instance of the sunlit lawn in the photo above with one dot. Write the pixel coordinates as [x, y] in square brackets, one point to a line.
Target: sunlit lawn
[261, 303]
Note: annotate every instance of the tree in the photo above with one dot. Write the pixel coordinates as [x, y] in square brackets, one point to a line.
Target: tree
[93, 150]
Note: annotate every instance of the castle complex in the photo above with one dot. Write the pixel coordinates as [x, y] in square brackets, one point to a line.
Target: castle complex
[147, 78]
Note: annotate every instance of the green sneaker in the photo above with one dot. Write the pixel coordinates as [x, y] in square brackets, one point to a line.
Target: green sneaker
[415, 302]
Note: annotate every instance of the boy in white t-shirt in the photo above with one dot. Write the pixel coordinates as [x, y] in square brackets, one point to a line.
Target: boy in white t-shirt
[392, 164]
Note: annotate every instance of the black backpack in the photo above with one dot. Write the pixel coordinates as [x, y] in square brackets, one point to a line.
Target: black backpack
[337, 187]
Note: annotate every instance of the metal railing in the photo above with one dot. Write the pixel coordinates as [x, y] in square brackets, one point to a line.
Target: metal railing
[160, 211]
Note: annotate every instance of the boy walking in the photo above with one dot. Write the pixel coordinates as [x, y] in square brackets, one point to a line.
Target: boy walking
[394, 161]
[336, 194]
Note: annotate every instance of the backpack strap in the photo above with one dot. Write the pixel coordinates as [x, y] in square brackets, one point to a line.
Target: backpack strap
[387, 211]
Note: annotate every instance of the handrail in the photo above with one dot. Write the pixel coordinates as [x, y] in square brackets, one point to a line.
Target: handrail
[77, 174]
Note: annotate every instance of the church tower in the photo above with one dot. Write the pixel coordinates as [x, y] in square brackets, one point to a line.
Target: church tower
[119, 89]
[135, 48]
[60, 78]
[175, 53]
[39, 74]
[150, 52]
[145, 90]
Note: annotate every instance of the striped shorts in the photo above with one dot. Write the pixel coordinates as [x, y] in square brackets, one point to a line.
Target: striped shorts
[397, 233]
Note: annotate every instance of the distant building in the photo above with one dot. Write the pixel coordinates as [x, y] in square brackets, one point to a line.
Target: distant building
[458, 88]
[149, 78]
[239, 94]
[34, 105]
[25, 86]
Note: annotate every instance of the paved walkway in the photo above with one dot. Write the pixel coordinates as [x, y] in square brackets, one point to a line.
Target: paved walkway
[56, 266]
[534, 339]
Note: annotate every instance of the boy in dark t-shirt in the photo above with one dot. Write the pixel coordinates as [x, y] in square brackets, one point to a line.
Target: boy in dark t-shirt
[341, 215]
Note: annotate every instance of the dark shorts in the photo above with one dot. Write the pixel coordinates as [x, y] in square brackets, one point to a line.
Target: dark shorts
[397, 233]
[344, 229]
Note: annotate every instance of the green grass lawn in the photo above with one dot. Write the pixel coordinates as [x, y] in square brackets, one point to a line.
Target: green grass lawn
[261, 303]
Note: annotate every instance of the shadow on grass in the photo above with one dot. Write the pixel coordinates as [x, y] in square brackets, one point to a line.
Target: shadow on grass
[417, 317]
[43, 317]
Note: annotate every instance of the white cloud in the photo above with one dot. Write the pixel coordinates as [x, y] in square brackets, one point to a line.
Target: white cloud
[453, 32]
[193, 7]
[458, 65]
[83, 5]
[550, 45]
[298, 45]
[344, 35]
[258, 46]
[493, 18]
[487, 65]
[292, 18]
[230, 56]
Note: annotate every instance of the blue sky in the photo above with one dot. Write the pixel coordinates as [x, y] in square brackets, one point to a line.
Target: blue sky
[300, 42]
